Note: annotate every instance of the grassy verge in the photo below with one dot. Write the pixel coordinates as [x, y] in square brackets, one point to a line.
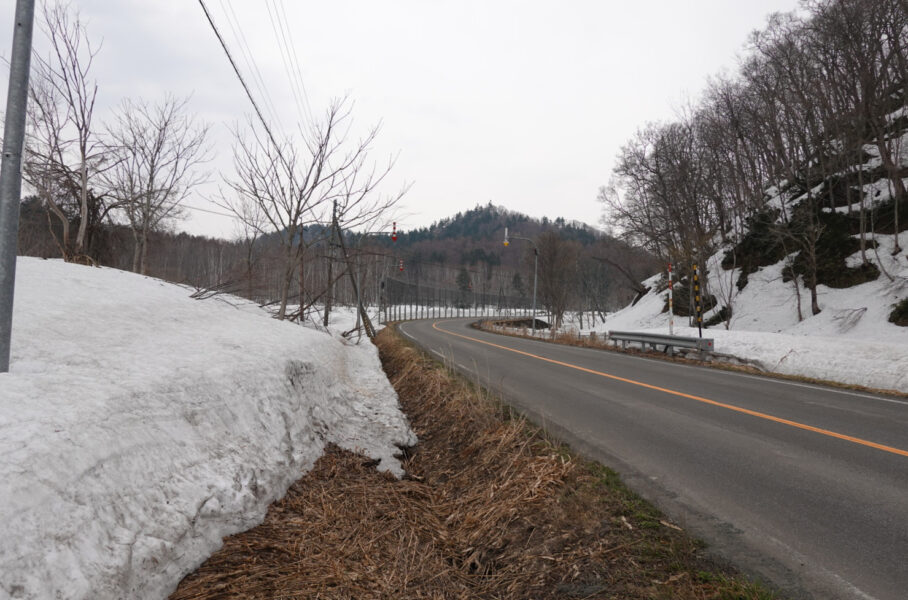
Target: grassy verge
[490, 508]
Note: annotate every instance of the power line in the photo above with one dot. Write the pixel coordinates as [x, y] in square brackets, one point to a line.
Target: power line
[234, 23]
[285, 59]
[255, 105]
[208, 210]
[297, 70]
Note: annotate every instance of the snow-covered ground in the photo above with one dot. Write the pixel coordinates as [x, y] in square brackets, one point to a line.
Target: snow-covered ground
[850, 341]
[139, 426]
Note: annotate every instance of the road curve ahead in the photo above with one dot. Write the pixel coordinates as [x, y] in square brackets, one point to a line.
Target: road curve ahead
[803, 485]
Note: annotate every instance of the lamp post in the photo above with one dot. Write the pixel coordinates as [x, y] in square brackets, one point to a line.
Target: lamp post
[535, 268]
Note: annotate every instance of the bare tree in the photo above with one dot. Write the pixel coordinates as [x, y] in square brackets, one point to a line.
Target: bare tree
[64, 152]
[302, 189]
[558, 260]
[154, 151]
[249, 233]
[816, 89]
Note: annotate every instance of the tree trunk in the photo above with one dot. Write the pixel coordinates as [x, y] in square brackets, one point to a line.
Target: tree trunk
[814, 303]
[83, 208]
[286, 279]
[64, 223]
[285, 289]
[144, 257]
[136, 251]
[302, 282]
[898, 187]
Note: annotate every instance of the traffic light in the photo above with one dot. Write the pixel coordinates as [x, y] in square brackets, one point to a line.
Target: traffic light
[400, 267]
[394, 234]
[506, 236]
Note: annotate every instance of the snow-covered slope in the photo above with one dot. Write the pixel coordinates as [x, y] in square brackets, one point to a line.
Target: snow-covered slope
[850, 341]
[138, 427]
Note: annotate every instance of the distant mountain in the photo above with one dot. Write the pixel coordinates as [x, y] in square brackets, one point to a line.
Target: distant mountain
[477, 235]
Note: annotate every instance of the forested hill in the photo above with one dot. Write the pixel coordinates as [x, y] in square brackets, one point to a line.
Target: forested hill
[477, 235]
[489, 221]
[796, 165]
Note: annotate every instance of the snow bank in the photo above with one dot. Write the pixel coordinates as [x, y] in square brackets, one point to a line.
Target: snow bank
[850, 341]
[139, 427]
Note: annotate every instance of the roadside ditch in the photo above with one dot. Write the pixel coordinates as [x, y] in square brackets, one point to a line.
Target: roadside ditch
[490, 508]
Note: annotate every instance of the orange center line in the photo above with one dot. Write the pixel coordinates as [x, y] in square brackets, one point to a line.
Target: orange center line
[732, 407]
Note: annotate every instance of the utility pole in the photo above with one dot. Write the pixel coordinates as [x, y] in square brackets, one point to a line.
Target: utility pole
[329, 249]
[11, 168]
[535, 279]
[535, 268]
[671, 306]
[699, 305]
[361, 311]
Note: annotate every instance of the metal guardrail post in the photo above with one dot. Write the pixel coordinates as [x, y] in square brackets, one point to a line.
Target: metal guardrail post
[702, 345]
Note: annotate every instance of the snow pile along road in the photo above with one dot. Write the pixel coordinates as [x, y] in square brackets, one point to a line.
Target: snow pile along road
[850, 341]
[138, 427]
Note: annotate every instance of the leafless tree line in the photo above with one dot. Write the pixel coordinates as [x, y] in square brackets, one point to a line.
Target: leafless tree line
[292, 198]
[308, 190]
[295, 200]
[816, 89]
[135, 169]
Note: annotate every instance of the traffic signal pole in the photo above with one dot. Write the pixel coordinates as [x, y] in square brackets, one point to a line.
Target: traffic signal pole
[11, 168]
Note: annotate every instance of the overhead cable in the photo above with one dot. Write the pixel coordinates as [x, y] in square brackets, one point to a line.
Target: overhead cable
[252, 65]
[255, 105]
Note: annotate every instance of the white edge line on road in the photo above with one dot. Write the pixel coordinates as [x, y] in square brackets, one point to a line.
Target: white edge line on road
[438, 353]
[768, 377]
[821, 388]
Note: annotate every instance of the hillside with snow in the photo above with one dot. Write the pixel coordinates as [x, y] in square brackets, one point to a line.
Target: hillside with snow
[850, 341]
[139, 427]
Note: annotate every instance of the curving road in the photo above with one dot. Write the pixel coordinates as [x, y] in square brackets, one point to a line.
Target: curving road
[802, 485]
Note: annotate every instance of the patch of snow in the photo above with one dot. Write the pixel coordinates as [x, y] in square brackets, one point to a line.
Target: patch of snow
[896, 115]
[849, 341]
[139, 427]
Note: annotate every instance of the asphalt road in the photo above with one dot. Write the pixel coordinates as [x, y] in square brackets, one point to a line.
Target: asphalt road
[801, 485]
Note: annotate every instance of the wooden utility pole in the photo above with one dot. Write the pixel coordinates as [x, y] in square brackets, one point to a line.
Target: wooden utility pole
[367, 323]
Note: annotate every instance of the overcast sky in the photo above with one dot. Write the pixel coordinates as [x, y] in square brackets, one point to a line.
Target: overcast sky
[524, 103]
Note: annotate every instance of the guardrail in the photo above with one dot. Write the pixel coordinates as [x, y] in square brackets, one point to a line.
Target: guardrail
[669, 342]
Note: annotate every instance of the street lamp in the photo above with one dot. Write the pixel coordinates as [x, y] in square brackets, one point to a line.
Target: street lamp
[535, 268]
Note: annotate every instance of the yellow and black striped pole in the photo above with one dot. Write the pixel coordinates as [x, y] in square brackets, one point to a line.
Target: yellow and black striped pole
[697, 302]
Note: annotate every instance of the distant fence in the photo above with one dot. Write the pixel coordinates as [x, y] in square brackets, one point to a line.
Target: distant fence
[402, 300]
[402, 312]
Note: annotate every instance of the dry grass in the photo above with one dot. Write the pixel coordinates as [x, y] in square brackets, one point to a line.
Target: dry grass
[490, 509]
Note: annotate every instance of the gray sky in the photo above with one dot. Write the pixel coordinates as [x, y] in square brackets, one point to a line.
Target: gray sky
[522, 103]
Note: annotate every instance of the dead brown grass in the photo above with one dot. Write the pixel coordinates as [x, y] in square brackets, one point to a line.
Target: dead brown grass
[490, 509]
